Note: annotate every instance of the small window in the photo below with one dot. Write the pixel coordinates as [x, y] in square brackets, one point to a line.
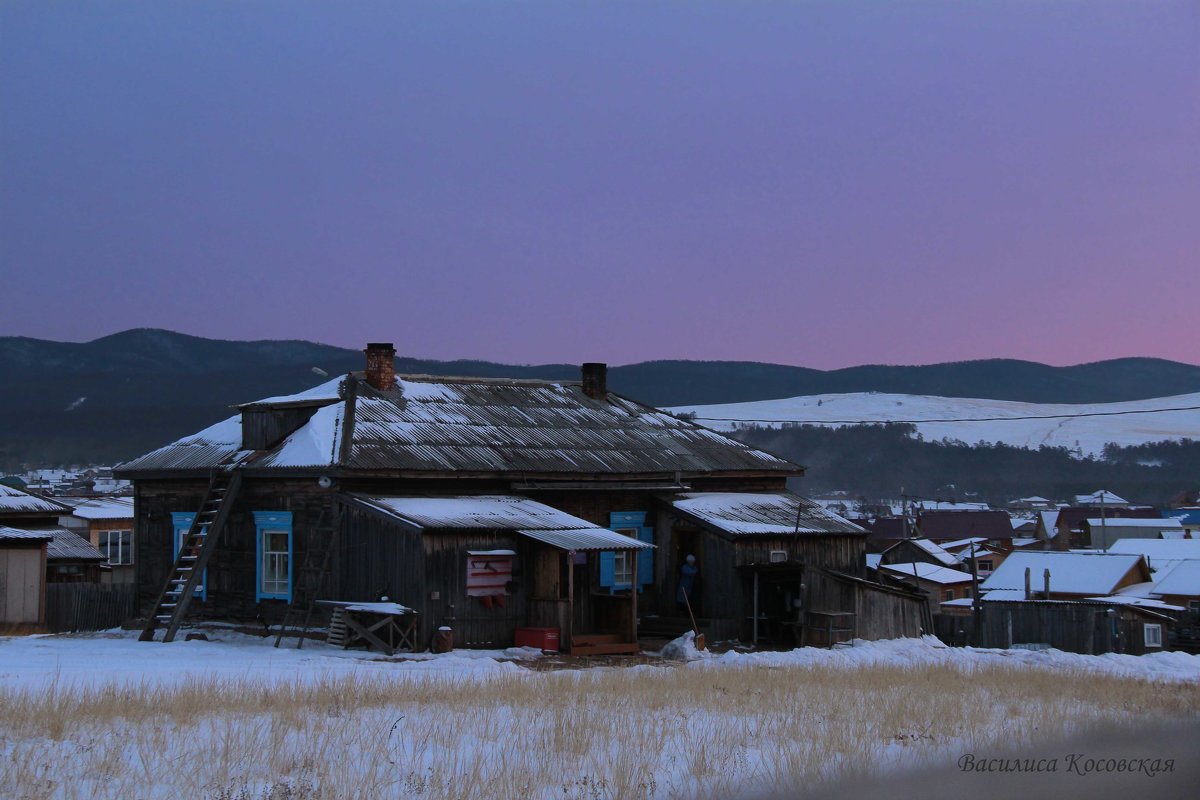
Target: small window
[117, 546]
[777, 556]
[985, 565]
[1194, 606]
[1153, 635]
[948, 594]
[622, 568]
[273, 541]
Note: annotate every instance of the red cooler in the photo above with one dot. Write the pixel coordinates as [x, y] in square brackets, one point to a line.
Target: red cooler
[541, 638]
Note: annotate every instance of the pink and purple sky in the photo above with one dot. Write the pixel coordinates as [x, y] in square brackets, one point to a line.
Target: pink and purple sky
[823, 184]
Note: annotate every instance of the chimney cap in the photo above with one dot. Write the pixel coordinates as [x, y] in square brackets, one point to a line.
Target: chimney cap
[380, 346]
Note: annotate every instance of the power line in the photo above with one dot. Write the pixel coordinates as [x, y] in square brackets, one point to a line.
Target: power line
[960, 419]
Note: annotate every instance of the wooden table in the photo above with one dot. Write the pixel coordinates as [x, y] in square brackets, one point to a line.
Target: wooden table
[387, 627]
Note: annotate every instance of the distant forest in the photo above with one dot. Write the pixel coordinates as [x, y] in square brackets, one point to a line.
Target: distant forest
[877, 461]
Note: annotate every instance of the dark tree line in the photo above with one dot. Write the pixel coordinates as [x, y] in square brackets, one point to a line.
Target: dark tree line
[876, 461]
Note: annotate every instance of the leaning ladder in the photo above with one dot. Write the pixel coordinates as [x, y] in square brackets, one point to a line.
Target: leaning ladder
[194, 551]
[317, 559]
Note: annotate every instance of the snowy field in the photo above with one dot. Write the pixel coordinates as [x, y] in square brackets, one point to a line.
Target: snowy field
[106, 716]
[1088, 434]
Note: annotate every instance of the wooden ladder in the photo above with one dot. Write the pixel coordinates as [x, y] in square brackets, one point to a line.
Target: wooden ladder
[317, 558]
[194, 551]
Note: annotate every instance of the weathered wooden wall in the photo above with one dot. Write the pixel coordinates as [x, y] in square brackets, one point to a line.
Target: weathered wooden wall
[1075, 628]
[22, 584]
[88, 606]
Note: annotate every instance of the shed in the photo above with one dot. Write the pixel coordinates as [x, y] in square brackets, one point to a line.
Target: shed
[22, 579]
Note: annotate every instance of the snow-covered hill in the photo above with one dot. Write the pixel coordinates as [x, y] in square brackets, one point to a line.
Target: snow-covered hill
[1088, 435]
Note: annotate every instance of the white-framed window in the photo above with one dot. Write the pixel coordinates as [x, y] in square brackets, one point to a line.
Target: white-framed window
[273, 543]
[1153, 634]
[985, 565]
[623, 568]
[117, 546]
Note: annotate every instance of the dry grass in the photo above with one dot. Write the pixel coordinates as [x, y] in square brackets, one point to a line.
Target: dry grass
[652, 732]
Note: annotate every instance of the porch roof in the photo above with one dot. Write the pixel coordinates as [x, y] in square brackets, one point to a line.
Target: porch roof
[761, 514]
[502, 512]
[587, 539]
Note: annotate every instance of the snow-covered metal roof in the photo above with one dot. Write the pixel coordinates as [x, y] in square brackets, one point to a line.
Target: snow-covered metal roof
[494, 511]
[1181, 579]
[1171, 524]
[1159, 551]
[66, 545]
[8, 534]
[13, 501]
[105, 508]
[936, 551]
[1070, 573]
[477, 425]
[587, 539]
[761, 514]
[927, 572]
[502, 512]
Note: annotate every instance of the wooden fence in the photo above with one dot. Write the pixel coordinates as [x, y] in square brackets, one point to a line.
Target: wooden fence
[88, 606]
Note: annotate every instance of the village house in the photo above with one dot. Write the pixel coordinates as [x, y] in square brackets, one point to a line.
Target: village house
[1102, 532]
[938, 584]
[492, 507]
[107, 523]
[1065, 576]
[945, 526]
[69, 557]
[1065, 529]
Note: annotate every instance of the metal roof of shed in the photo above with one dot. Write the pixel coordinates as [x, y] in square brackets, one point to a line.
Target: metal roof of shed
[8, 534]
[762, 514]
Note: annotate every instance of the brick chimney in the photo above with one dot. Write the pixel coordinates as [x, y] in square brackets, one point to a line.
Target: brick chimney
[595, 380]
[381, 365]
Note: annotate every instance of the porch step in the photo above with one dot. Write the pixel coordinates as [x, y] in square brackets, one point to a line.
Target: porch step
[602, 644]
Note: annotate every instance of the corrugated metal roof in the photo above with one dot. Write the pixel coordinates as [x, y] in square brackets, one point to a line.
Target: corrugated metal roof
[478, 425]
[105, 508]
[770, 514]
[587, 539]
[495, 512]
[15, 534]
[68, 546]
[14, 501]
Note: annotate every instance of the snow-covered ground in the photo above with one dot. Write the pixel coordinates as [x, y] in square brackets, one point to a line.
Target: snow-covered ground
[1088, 434]
[105, 716]
[116, 657]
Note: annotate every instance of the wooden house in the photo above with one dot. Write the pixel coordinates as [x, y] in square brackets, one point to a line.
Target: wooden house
[774, 567]
[907, 551]
[1065, 576]
[944, 526]
[107, 523]
[69, 558]
[936, 583]
[1066, 528]
[329, 481]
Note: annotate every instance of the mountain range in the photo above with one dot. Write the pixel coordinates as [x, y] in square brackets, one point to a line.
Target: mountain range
[124, 394]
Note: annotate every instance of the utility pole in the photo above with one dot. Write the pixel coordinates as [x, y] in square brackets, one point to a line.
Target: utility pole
[976, 606]
[1103, 522]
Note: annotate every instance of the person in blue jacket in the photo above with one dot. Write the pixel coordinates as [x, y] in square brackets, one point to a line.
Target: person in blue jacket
[687, 585]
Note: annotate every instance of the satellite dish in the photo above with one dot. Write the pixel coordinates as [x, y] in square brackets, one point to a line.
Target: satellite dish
[324, 482]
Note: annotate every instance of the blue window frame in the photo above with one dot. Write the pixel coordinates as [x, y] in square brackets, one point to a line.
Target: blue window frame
[181, 521]
[273, 555]
[614, 569]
